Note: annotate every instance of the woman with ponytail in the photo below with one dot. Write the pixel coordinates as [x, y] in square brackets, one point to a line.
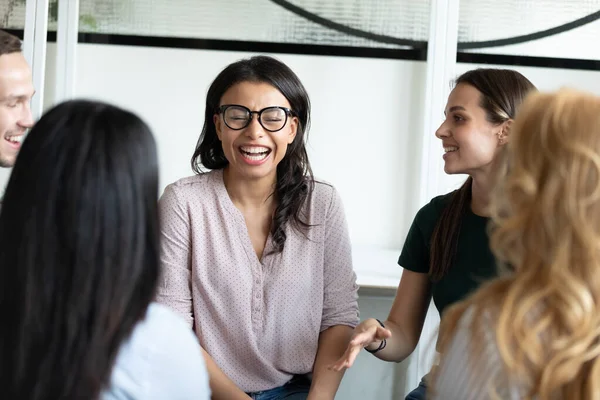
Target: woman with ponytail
[446, 254]
[533, 333]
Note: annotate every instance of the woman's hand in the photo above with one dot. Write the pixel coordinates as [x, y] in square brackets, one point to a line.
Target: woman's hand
[369, 334]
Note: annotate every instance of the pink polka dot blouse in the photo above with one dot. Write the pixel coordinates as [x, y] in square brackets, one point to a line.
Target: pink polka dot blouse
[259, 319]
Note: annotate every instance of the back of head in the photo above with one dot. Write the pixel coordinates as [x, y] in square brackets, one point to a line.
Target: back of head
[554, 158]
[80, 252]
[9, 43]
[547, 213]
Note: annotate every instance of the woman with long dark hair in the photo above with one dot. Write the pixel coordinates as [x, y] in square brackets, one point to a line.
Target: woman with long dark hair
[533, 333]
[255, 252]
[80, 264]
[446, 254]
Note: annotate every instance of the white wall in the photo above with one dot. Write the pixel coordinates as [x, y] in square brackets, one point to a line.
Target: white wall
[365, 127]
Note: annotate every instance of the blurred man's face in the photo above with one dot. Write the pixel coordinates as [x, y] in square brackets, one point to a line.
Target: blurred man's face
[16, 91]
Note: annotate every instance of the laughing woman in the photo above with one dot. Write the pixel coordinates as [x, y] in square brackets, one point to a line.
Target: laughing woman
[255, 252]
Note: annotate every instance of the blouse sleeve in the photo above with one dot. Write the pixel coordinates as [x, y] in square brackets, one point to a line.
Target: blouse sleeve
[340, 305]
[174, 288]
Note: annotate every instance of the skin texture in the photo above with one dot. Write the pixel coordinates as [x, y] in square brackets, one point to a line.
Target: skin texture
[250, 186]
[254, 96]
[16, 91]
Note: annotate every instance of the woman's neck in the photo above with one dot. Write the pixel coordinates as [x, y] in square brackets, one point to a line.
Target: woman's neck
[480, 194]
[249, 193]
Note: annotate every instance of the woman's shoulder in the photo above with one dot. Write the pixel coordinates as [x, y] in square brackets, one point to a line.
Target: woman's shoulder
[322, 202]
[323, 190]
[191, 182]
[197, 185]
[324, 197]
[437, 204]
[162, 356]
[428, 215]
[161, 334]
[471, 365]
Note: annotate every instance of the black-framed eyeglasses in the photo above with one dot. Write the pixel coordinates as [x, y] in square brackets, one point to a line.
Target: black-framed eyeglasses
[238, 117]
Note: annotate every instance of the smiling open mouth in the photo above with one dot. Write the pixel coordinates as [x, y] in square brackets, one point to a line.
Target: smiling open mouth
[15, 139]
[255, 153]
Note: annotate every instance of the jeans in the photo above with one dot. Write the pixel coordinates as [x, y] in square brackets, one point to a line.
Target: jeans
[419, 393]
[296, 389]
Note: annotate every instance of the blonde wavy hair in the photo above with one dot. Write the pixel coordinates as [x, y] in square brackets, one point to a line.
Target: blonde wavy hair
[545, 233]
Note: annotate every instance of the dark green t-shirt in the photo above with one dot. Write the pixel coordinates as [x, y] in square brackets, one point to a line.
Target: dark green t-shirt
[474, 262]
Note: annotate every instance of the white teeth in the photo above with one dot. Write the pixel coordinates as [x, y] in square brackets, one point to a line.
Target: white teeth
[450, 149]
[254, 150]
[255, 153]
[256, 157]
[15, 139]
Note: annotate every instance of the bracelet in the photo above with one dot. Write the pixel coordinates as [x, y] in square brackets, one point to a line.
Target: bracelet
[382, 344]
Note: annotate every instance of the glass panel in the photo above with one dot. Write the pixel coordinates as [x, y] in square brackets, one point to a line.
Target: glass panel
[490, 20]
[268, 21]
[12, 14]
[360, 23]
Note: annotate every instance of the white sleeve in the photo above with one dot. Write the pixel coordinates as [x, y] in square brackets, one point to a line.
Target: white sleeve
[180, 371]
[161, 360]
[464, 375]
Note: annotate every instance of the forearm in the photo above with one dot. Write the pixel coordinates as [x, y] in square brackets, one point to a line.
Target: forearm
[398, 346]
[332, 344]
[221, 386]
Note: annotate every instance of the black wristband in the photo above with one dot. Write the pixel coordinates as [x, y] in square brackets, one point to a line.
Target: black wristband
[383, 342]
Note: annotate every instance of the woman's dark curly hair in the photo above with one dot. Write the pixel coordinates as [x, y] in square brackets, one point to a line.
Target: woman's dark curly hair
[295, 180]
